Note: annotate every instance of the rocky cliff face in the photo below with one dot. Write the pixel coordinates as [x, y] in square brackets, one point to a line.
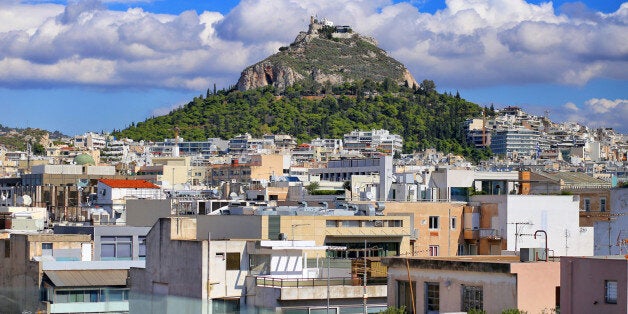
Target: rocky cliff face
[317, 57]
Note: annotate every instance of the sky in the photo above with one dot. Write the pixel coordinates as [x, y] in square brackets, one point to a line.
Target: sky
[90, 65]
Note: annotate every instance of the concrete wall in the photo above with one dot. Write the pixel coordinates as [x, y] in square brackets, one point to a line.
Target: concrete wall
[175, 268]
[611, 236]
[499, 289]
[557, 215]
[145, 213]
[582, 284]
[536, 286]
[230, 227]
[20, 276]
[222, 282]
[446, 238]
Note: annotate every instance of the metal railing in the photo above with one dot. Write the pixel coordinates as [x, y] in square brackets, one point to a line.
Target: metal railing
[489, 233]
[317, 282]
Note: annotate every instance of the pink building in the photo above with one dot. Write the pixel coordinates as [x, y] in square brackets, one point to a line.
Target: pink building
[458, 284]
[593, 284]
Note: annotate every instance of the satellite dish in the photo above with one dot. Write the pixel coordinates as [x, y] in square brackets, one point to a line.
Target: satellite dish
[233, 195]
[369, 196]
[24, 200]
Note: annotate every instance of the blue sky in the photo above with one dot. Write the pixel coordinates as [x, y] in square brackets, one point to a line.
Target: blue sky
[92, 65]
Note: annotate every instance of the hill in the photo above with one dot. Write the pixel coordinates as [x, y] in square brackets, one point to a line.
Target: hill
[17, 138]
[423, 117]
[325, 54]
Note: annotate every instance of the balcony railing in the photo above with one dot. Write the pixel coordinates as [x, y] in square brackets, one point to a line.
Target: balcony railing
[316, 282]
[482, 233]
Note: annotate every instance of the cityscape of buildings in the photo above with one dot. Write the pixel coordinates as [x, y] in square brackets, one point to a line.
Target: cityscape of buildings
[107, 225]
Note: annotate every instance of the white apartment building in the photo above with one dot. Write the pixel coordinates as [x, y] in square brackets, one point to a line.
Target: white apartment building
[372, 141]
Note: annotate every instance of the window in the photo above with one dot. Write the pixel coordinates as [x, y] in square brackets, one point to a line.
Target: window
[610, 295]
[587, 204]
[233, 261]
[461, 249]
[433, 250]
[434, 222]
[332, 223]
[452, 224]
[7, 248]
[432, 297]
[472, 298]
[46, 249]
[116, 248]
[142, 248]
[259, 264]
[95, 295]
[603, 204]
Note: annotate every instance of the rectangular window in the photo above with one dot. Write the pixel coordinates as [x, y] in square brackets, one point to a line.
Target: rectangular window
[433, 250]
[432, 297]
[46, 249]
[114, 248]
[453, 223]
[611, 291]
[7, 248]
[434, 222]
[461, 249]
[233, 261]
[123, 251]
[603, 204]
[62, 296]
[107, 251]
[472, 298]
[587, 204]
[142, 248]
[332, 223]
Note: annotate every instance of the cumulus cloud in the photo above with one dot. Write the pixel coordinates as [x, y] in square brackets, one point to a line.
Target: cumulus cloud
[571, 107]
[470, 43]
[597, 112]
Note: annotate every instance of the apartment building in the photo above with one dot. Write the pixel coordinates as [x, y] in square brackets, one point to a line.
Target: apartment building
[459, 284]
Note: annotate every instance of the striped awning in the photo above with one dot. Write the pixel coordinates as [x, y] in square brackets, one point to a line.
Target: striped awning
[87, 278]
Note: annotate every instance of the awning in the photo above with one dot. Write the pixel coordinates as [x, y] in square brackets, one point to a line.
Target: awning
[87, 278]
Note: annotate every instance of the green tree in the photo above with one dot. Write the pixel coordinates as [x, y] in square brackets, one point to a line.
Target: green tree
[313, 186]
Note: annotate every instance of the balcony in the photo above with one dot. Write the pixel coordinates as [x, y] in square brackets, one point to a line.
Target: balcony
[481, 233]
[314, 288]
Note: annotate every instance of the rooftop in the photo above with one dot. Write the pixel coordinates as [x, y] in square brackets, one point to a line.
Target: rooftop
[129, 184]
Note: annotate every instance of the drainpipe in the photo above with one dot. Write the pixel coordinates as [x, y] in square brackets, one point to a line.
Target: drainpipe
[546, 251]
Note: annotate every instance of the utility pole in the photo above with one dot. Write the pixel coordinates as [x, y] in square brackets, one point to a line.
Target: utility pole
[365, 296]
[294, 226]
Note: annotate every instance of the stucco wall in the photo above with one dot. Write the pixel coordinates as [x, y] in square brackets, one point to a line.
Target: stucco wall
[446, 238]
[583, 285]
[536, 286]
[499, 289]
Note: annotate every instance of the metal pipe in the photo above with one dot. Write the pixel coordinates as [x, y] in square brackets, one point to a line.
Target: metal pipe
[546, 251]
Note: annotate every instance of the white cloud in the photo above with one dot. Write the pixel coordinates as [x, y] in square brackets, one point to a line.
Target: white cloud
[601, 105]
[470, 43]
[571, 106]
[597, 112]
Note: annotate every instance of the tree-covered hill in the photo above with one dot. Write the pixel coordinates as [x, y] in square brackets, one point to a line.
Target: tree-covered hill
[422, 116]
